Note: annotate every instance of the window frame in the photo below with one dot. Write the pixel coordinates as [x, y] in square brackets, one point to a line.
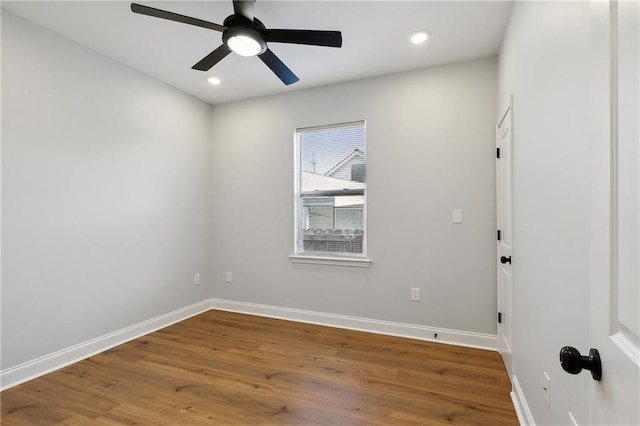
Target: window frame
[325, 258]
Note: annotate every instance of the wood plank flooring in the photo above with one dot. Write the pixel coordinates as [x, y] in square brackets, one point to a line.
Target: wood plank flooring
[222, 368]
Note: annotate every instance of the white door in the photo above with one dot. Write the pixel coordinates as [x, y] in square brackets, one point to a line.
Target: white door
[615, 213]
[504, 145]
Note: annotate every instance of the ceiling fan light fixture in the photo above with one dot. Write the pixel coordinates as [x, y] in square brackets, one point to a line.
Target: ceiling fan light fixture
[244, 41]
[244, 45]
[419, 37]
[246, 35]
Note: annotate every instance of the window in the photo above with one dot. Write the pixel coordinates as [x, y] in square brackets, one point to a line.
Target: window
[330, 182]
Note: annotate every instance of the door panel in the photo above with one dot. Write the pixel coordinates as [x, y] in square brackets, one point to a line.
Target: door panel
[627, 188]
[504, 143]
[615, 211]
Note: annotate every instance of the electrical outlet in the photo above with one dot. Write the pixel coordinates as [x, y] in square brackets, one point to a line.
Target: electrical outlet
[196, 279]
[546, 387]
[415, 294]
[229, 277]
[456, 215]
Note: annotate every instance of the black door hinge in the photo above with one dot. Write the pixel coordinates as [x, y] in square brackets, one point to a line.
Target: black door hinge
[499, 317]
[499, 235]
[497, 152]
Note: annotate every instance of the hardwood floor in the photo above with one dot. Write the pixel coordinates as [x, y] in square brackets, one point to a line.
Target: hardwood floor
[231, 369]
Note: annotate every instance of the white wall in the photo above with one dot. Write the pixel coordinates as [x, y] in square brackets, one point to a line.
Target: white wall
[544, 62]
[430, 149]
[106, 194]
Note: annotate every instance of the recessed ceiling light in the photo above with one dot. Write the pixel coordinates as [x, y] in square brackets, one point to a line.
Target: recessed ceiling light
[214, 80]
[419, 37]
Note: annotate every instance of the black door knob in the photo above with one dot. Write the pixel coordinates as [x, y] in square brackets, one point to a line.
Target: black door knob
[504, 259]
[572, 362]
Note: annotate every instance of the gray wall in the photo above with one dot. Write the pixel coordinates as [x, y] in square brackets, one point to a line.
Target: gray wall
[430, 149]
[544, 62]
[106, 195]
[116, 189]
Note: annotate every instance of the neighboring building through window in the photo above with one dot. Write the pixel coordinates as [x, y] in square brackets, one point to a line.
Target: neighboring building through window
[330, 190]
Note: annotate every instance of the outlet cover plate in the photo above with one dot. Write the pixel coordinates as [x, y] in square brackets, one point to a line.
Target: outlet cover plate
[456, 215]
[415, 294]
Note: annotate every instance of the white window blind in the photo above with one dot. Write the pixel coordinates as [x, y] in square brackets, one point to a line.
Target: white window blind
[331, 190]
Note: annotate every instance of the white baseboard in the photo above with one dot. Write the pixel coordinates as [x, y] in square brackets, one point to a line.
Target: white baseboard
[30, 370]
[520, 404]
[412, 331]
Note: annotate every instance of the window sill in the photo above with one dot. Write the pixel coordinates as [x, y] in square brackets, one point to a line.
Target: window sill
[335, 261]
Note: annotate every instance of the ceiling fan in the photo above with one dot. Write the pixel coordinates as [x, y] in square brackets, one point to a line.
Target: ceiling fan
[246, 35]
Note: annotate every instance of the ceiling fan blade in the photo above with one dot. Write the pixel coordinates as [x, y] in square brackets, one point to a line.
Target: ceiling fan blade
[312, 37]
[244, 8]
[163, 14]
[212, 58]
[278, 67]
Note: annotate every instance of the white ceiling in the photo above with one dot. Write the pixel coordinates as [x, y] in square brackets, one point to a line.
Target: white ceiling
[375, 39]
